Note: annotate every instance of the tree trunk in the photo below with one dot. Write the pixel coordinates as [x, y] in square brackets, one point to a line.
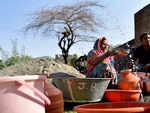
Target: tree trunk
[65, 56]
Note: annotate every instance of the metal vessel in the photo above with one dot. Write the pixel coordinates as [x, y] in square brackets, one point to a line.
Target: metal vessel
[82, 89]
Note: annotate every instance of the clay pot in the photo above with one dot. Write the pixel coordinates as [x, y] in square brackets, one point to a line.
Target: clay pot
[128, 81]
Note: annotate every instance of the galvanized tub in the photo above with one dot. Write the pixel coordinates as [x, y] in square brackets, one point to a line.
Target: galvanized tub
[82, 89]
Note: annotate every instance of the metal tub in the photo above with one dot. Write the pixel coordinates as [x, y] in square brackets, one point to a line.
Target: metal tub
[82, 89]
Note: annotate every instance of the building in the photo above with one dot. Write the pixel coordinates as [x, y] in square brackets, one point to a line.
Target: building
[142, 22]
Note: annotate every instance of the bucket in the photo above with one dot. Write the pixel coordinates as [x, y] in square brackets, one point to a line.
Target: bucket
[56, 97]
[23, 94]
[114, 107]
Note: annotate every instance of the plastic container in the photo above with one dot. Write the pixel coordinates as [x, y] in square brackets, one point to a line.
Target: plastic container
[117, 95]
[56, 97]
[22, 94]
[115, 107]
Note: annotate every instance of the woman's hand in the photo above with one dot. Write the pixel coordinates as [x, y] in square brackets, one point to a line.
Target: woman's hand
[112, 53]
[116, 53]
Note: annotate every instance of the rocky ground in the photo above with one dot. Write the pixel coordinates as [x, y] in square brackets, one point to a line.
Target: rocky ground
[39, 66]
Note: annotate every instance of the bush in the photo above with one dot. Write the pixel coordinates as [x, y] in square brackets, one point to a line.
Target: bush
[15, 59]
[2, 65]
[73, 59]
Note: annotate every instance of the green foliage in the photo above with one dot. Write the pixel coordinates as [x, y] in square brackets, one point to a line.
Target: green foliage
[2, 65]
[15, 57]
[11, 61]
[4, 54]
[73, 59]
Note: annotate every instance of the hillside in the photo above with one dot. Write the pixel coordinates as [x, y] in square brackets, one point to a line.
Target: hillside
[40, 65]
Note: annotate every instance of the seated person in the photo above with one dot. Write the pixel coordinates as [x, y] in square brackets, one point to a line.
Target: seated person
[142, 53]
[100, 59]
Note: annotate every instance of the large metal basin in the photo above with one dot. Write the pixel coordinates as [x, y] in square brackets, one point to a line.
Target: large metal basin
[82, 89]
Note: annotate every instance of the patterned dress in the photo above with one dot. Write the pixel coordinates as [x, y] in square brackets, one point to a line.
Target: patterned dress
[98, 70]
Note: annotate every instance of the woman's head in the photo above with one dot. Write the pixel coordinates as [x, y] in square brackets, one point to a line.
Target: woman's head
[101, 44]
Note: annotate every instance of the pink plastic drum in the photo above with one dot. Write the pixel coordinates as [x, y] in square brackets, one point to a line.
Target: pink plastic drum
[23, 94]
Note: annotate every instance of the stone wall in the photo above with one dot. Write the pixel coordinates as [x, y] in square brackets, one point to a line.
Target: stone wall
[142, 22]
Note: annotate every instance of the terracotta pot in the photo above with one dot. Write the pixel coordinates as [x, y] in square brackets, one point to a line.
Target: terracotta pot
[128, 81]
[117, 95]
[114, 107]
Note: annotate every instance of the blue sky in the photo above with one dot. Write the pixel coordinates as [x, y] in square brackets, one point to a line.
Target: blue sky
[14, 16]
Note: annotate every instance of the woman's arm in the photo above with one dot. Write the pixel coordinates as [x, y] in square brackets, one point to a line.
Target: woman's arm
[99, 59]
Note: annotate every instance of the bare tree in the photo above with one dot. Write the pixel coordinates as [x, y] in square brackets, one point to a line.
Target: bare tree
[70, 24]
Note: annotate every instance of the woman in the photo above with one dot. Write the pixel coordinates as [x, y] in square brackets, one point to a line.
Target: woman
[100, 60]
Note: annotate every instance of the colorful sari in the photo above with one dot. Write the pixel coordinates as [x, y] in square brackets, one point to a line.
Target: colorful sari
[96, 71]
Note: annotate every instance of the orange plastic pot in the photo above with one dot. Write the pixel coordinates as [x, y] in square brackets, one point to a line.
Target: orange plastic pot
[115, 107]
[117, 95]
[128, 81]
